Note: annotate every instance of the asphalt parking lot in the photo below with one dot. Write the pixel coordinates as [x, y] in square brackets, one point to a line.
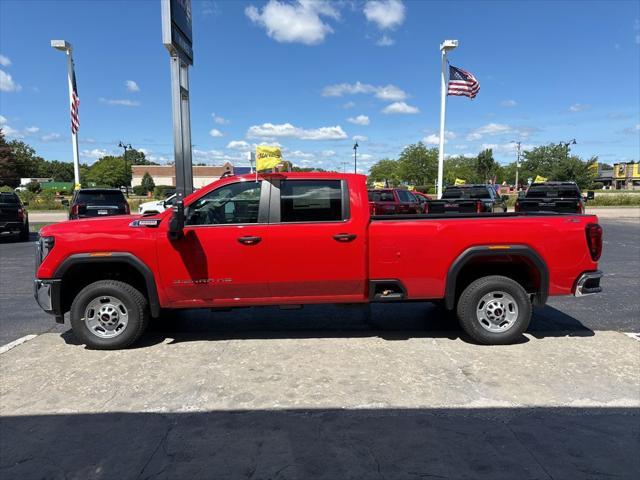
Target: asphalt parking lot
[328, 392]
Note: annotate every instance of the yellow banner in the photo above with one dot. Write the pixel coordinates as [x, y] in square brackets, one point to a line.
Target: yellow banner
[460, 181]
[267, 157]
[540, 179]
[411, 188]
[378, 185]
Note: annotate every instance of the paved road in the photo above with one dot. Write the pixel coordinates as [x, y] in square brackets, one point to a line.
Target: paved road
[617, 308]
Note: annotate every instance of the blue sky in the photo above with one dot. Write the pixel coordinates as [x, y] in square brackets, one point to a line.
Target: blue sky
[313, 76]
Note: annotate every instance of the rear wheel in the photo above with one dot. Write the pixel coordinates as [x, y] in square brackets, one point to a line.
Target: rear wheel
[24, 233]
[108, 315]
[494, 310]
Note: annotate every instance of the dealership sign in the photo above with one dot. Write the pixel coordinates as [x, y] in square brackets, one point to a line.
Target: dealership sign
[176, 28]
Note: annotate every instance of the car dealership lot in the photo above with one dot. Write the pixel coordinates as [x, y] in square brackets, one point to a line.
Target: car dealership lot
[330, 392]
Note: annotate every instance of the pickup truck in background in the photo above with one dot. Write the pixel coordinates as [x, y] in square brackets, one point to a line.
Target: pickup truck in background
[308, 238]
[390, 201]
[561, 197]
[14, 218]
[468, 199]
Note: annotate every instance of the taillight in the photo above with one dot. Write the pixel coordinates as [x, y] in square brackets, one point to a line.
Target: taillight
[594, 240]
[580, 208]
[372, 208]
[75, 209]
[426, 207]
[20, 214]
[478, 206]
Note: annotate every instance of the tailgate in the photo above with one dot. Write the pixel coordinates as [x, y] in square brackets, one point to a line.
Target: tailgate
[8, 212]
[559, 205]
[100, 210]
[452, 206]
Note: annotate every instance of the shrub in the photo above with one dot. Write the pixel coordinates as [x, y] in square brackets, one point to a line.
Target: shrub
[160, 191]
[6, 188]
[34, 187]
[140, 190]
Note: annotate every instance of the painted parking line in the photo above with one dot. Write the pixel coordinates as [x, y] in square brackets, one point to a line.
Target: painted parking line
[15, 343]
[635, 336]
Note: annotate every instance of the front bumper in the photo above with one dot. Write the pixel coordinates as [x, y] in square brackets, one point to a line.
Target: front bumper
[588, 283]
[47, 294]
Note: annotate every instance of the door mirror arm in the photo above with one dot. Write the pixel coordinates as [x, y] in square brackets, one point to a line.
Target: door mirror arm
[176, 223]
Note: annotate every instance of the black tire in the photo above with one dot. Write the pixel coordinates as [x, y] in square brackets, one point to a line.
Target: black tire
[134, 302]
[24, 233]
[470, 302]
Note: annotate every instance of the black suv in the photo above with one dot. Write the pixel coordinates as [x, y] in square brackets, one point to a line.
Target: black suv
[559, 197]
[14, 218]
[97, 202]
[478, 198]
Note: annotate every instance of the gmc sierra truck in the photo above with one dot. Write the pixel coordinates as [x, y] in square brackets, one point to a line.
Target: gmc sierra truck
[308, 238]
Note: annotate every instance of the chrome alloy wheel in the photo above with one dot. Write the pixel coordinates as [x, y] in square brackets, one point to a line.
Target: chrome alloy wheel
[497, 311]
[106, 316]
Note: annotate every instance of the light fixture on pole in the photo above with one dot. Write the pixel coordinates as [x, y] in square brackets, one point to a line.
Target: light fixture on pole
[64, 46]
[518, 143]
[445, 47]
[355, 157]
[125, 146]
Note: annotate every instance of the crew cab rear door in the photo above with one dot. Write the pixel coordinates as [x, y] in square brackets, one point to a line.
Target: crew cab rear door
[317, 242]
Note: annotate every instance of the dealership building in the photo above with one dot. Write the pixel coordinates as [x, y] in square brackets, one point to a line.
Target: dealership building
[166, 174]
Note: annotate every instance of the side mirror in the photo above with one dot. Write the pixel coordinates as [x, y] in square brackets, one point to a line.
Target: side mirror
[65, 203]
[176, 224]
[591, 195]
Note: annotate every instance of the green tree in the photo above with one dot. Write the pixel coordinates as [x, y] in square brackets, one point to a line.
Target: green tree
[147, 183]
[464, 168]
[385, 170]
[418, 165]
[27, 162]
[109, 171]
[8, 167]
[555, 162]
[487, 167]
[136, 157]
[59, 171]
[34, 187]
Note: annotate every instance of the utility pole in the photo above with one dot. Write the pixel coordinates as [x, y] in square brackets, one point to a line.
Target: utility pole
[355, 157]
[517, 162]
[125, 146]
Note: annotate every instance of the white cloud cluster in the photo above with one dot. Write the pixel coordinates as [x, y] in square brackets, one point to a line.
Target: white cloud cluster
[505, 148]
[95, 153]
[4, 61]
[131, 86]
[299, 22]
[9, 131]
[215, 133]
[238, 145]
[359, 138]
[50, 137]
[125, 102]
[493, 129]
[219, 120]
[270, 130]
[434, 138]
[400, 108]
[386, 14]
[359, 120]
[579, 107]
[7, 84]
[387, 92]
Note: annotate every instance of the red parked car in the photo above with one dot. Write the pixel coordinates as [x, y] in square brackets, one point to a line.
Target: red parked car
[392, 201]
[308, 238]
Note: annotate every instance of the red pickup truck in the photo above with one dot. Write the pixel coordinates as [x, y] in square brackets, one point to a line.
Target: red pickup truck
[308, 238]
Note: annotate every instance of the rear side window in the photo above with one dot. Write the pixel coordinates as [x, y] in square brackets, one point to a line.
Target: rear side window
[545, 191]
[381, 196]
[10, 198]
[406, 196]
[311, 201]
[101, 198]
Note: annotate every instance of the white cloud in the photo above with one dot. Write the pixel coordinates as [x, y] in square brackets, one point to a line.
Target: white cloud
[219, 120]
[95, 153]
[3, 120]
[489, 129]
[387, 92]
[297, 154]
[359, 120]
[131, 86]
[385, 41]
[359, 138]
[508, 103]
[4, 61]
[473, 136]
[31, 130]
[579, 107]
[505, 148]
[11, 132]
[7, 84]
[434, 138]
[238, 145]
[365, 157]
[400, 108]
[327, 153]
[270, 130]
[299, 22]
[386, 14]
[214, 132]
[122, 102]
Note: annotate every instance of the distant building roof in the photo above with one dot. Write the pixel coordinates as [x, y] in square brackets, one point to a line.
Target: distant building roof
[169, 170]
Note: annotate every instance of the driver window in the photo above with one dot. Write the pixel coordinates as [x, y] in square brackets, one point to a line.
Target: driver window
[232, 204]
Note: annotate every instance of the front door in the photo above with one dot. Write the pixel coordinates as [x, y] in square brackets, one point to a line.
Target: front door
[316, 249]
[220, 261]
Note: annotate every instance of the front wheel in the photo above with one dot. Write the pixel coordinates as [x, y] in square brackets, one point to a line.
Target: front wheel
[108, 315]
[494, 310]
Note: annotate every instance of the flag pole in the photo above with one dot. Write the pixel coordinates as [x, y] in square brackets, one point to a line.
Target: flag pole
[74, 134]
[444, 48]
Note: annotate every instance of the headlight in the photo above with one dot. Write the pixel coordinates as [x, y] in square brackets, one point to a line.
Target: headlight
[43, 247]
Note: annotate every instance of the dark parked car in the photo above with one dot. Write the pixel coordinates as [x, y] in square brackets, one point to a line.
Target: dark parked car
[97, 202]
[560, 197]
[14, 218]
[391, 201]
[468, 199]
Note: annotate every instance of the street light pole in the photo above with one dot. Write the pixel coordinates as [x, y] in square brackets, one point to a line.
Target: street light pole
[355, 157]
[125, 146]
[66, 47]
[517, 162]
[444, 48]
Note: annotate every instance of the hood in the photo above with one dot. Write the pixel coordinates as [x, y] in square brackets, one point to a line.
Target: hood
[90, 225]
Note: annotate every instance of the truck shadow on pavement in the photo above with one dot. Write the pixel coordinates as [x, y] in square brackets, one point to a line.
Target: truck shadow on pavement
[385, 443]
[387, 321]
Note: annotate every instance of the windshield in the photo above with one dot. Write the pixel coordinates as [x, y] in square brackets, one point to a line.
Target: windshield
[466, 193]
[381, 196]
[556, 191]
[106, 197]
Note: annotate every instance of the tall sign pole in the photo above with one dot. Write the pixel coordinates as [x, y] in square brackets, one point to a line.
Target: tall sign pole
[66, 47]
[177, 38]
[355, 157]
[444, 48]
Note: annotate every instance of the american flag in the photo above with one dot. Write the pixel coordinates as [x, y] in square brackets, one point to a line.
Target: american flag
[462, 83]
[75, 103]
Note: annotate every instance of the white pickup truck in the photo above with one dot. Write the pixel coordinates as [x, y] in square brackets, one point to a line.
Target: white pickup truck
[157, 206]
